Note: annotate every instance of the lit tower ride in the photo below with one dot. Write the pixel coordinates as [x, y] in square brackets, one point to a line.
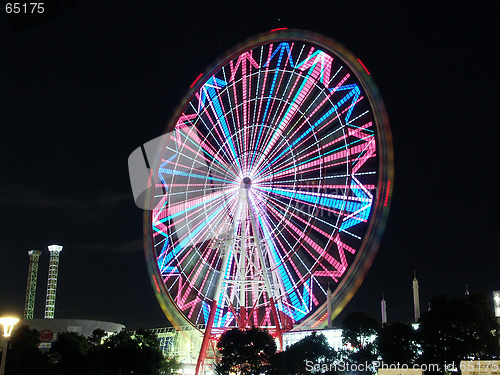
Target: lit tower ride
[329, 306]
[50, 301]
[416, 298]
[383, 308]
[29, 303]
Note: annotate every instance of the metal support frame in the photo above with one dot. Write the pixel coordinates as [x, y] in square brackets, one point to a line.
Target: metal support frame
[251, 276]
[29, 303]
[50, 300]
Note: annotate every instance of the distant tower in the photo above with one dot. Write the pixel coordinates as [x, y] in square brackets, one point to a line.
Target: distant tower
[383, 308]
[466, 290]
[29, 303]
[50, 301]
[496, 303]
[329, 306]
[416, 299]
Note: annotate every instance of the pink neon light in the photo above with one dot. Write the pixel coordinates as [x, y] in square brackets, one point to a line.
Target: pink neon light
[156, 283]
[295, 106]
[387, 193]
[370, 152]
[340, 83]
[269, 54]
[321, 65]
[370, 146]
[340, 267]
[305, 121]
[215, 123]
[196, 80]
[278, 85]
[194, 137]
[280, 28]
[319, 321]
[364, 67]
[242, 59]
[301, 234]
[187, 292]
[185, 118]
[325, 124]
[274, 138]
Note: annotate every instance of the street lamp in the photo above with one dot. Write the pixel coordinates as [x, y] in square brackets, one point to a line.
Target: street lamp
[8, 324]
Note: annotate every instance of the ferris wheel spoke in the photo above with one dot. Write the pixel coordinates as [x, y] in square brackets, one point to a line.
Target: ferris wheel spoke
[280, 209]
[282, 268]
[244, 60]
[364, 148]
[210, 93]
[316, 72]
[263, 120]
[344, 204]
[317, 252]
[205, 141]
[328, 117]
[203, 152]
[310, 81]
[181, 208]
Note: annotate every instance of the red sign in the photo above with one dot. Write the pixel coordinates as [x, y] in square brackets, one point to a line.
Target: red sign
[46, 335]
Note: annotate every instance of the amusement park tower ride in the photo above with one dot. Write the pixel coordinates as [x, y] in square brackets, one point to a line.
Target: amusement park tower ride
[50, 301]
[29, 305]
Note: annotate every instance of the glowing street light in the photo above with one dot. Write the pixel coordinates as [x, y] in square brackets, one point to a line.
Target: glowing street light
[8, 324]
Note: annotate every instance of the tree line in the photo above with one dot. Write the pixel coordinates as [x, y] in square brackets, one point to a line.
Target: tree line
[451, 331]
[122, 353]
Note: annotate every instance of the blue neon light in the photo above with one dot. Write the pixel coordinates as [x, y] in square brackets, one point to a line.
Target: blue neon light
[209, 88]
[282, 270]
[281, 48]
[190, 236]
[318, 122]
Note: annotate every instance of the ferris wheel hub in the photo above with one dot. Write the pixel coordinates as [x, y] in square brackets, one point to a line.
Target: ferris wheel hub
[246, 183]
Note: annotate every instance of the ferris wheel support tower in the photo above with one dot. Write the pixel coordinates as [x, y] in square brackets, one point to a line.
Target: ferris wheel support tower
[29, 305]
[236, 289]
[50, 301]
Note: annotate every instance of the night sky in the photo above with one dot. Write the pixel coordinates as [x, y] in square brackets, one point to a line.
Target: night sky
[81, 91]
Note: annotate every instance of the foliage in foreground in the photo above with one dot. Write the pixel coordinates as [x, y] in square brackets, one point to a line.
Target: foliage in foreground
[73, 354]
[245, 352]
[453, 330]
[297, 358]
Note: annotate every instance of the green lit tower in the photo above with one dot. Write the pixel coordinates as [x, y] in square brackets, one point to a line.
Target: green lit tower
[29, 304]
[50, 301]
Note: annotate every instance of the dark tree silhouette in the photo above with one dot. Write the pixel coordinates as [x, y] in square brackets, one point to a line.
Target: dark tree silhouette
[68, 354]
[397, 343]
[457, 329]
[131, 353]
[358, 331]
[302, 356]
[24, 357]
[245, 352]
[358, 328]
[97, 337]
[123, 353]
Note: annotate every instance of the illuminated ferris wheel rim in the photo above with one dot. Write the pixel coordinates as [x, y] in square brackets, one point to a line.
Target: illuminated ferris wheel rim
[283, 35]
[361, 263]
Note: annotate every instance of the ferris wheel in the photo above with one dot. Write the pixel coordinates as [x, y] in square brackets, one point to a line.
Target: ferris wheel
[272, 187]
